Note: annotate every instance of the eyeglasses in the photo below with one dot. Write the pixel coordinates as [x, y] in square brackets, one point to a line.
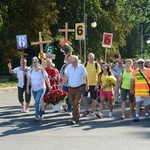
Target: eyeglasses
[140, 62]
[128, 63]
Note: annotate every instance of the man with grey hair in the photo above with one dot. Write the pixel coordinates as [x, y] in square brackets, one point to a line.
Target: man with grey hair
[74, 74]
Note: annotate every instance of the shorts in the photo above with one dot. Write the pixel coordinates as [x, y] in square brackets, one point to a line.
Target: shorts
[124, 93]
[106, 94]
[93, 93]
[146, 100]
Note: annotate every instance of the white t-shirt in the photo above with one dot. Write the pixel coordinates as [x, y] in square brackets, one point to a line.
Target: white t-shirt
[37, 79]
[20, 76]
[75, 75]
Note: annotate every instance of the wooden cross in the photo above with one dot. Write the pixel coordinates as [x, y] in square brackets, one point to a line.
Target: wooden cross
[40, 42]
[66, 30]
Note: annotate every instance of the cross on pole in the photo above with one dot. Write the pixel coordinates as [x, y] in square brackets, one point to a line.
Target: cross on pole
[66, 30]
[40, 42]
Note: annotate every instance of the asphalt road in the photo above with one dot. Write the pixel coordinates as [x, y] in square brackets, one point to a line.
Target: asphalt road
[19, 131]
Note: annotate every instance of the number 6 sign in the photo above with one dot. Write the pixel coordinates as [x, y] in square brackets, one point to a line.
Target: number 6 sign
[21, 41]
[107, 40]
[80, 31]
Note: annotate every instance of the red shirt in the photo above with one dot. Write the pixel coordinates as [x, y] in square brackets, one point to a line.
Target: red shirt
[51, 73]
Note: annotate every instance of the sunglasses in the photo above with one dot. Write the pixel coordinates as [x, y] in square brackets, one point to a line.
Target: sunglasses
[140, 62]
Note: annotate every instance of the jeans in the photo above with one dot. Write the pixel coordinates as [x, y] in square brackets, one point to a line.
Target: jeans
[65, 88]
[38, 95]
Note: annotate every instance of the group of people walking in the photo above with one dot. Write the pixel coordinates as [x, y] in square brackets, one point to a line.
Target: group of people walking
[131, 78]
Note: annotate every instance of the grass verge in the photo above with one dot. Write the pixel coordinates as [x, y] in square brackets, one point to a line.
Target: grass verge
[8, 84]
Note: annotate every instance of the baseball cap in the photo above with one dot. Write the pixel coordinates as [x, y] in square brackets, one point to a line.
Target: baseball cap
[139, 60]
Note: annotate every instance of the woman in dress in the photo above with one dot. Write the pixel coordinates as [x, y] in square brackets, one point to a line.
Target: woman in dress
[37, 77]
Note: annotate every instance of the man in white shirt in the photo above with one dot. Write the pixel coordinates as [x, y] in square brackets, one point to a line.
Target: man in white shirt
[75, 73]
[21, 72]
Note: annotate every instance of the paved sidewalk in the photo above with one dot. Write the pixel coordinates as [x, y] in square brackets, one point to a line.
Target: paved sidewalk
[18, 131]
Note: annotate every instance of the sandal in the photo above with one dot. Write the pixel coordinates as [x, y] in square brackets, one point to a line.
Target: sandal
[86, 113]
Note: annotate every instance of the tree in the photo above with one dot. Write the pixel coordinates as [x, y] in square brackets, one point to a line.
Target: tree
[24, 17]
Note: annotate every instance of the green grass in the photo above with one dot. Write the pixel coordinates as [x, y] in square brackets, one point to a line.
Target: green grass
[8, 84]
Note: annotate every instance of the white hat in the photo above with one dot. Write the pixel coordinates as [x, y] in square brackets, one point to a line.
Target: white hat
[140, 60]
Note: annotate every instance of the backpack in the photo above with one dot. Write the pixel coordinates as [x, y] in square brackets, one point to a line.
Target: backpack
[63, 68]
[96, 65]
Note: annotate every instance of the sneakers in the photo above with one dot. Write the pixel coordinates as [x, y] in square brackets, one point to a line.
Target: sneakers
[146, 117]
[26, 110]
[99, 115]
[73, 122]
[69, 113]
[136, 119]
[86, 113]
[38, 118]
[23, 109]
[110, 114]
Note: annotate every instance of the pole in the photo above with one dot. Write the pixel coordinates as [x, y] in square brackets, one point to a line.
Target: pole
[80, 49]
[105, 54]
[141, 40]
[23, 65]
[85, 33]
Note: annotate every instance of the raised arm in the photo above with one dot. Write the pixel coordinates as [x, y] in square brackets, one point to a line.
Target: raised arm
[10, 68]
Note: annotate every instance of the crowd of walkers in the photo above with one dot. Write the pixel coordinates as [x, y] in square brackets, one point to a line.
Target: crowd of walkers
[84, 80]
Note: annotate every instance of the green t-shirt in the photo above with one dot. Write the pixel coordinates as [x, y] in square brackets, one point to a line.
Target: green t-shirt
[126, 76]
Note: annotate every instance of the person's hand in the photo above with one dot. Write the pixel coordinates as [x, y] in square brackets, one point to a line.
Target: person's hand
[103, 87]
[96, 88]
[131, 92]
[9, 66]
[86, 88]
[50, 88]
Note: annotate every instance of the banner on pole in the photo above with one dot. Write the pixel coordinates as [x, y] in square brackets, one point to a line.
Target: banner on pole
[107, 40]
[21, 41]
[79, 31]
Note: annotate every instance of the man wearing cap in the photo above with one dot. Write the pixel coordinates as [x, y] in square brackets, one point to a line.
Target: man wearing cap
[140, 88]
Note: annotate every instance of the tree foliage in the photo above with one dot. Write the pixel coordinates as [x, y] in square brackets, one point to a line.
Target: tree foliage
[123, 18]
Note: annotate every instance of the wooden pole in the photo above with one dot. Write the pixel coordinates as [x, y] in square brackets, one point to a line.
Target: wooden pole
[106, 54]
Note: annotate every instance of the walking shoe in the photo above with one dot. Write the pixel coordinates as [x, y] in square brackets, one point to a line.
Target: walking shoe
[136, 119]
[86, 113]
[23, 109]
[110, 114]
[43, 112]
[99, 115]
[26, 110]
[146, 117]
[92, 114]
[73, 122]
[69, 113]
